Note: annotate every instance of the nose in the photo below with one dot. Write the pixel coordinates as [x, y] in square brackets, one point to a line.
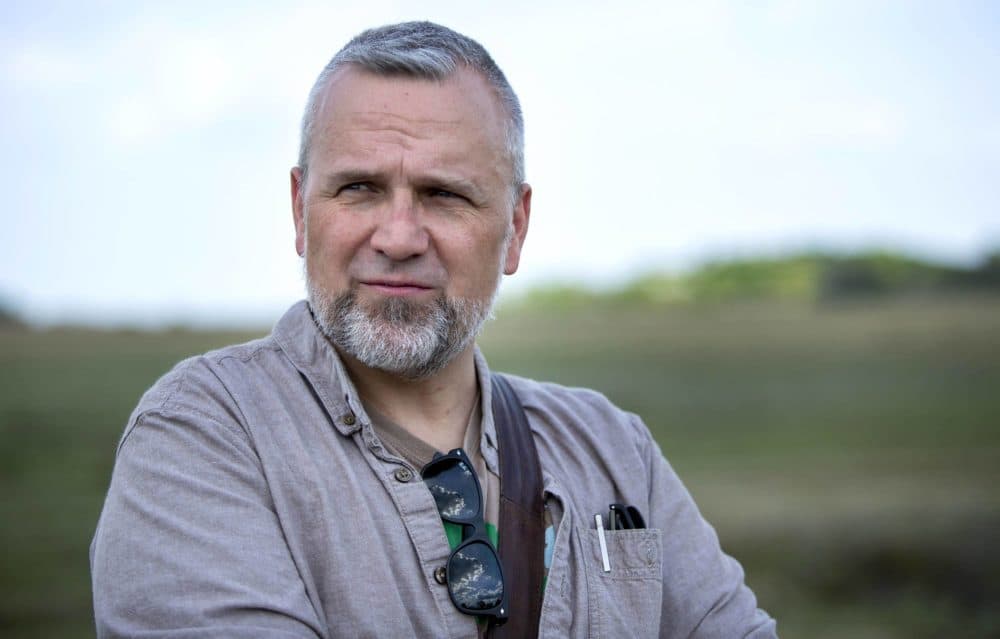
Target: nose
[399, 233]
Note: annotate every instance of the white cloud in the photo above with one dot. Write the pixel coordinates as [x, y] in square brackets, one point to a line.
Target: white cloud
[195, 79]
[40, 66]
[132, 121]
[187, 84]
[164, 76]
[859, 124]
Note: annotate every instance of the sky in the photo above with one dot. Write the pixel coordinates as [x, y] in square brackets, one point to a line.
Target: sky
[145, 146]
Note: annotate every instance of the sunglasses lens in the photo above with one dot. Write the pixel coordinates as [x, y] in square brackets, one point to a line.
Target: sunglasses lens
[454, 489]
[474, 577]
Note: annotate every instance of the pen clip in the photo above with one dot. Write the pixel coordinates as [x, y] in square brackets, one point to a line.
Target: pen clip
[603, 542]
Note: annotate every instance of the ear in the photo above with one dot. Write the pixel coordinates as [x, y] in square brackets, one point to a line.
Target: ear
[298, 210]
[519, 220]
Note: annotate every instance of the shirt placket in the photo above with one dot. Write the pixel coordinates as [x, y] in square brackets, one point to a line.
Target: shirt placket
[419, 515]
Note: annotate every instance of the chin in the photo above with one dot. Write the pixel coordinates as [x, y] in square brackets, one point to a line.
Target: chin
[413, 339]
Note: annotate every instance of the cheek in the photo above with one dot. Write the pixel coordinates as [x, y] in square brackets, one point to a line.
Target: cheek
[476, 266]
[328, 248]
[329, 231]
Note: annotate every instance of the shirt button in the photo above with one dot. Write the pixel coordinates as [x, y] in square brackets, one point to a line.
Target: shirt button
[349, 419]
[441, 575]
[651, 554]
[404, 474]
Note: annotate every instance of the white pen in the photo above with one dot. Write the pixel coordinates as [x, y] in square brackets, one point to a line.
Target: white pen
[604, 543]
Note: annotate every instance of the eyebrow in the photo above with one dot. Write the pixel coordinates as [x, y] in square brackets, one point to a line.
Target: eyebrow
[333, 181]
[450, 183]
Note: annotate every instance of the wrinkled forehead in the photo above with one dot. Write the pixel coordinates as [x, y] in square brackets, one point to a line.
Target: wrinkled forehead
[461, 103]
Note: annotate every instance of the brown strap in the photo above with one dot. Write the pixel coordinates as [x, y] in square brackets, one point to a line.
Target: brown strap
[522, 517]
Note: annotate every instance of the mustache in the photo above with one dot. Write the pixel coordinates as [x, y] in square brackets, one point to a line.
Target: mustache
[416, 272]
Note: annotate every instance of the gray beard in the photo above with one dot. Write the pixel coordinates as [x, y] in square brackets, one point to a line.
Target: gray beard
[405, 338]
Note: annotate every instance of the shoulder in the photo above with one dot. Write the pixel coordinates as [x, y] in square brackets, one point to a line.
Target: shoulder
[197, 380]
[577, 414]
[592, 452]
[549, 396]
[203, 387]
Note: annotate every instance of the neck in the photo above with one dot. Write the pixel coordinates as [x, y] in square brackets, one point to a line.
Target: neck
[436, 409]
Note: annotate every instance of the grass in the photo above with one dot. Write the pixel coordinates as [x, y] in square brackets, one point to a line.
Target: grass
[847, 455]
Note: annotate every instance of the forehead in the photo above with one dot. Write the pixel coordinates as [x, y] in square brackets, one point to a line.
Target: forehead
[461, 109]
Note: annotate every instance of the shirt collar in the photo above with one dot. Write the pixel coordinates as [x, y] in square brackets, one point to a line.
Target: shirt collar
[311, 353]
[488, 437]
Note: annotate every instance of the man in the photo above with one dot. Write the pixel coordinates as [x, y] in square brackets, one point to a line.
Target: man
[274, 489]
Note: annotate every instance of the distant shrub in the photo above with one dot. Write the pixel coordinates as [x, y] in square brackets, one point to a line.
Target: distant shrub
[987, 274]
[777, 279]
[653, 288]
[878, 274]
[558, 296]
[809, 277]
[9, 319]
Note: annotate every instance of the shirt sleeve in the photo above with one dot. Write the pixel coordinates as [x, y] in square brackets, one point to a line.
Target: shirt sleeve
[188, 544]
[704, 595]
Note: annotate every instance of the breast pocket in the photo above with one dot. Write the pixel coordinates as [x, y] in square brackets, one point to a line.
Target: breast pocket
[625, 601]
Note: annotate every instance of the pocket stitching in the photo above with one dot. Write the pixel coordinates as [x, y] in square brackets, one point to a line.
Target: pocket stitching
[629, 563]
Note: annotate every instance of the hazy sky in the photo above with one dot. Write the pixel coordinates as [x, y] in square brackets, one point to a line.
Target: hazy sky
[145, 147]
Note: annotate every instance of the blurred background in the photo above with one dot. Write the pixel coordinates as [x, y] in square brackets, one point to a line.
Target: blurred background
[771, 230]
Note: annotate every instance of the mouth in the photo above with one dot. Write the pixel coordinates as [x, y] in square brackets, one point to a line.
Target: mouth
[395, 288]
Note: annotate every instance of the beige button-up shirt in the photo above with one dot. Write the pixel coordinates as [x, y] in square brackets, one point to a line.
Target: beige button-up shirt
[251, 498]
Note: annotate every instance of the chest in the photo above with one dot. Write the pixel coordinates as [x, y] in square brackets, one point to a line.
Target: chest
[367, 540]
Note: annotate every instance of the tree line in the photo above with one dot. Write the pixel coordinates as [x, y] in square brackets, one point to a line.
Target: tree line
[810, 277]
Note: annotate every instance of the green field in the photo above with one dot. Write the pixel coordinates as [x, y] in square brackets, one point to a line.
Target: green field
[848, 455]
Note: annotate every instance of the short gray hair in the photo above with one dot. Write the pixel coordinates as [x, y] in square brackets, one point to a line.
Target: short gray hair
[420, 50]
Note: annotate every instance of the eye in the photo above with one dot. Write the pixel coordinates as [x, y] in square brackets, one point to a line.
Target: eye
[447, 196]
[355, 187]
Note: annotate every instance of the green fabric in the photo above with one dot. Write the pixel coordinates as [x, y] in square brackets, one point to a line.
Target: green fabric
[454, 533]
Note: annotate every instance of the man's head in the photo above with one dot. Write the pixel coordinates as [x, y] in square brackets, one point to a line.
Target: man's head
[409, 200]
[427, 51]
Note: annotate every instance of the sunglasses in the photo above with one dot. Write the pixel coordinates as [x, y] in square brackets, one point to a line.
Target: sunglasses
[475, 580]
